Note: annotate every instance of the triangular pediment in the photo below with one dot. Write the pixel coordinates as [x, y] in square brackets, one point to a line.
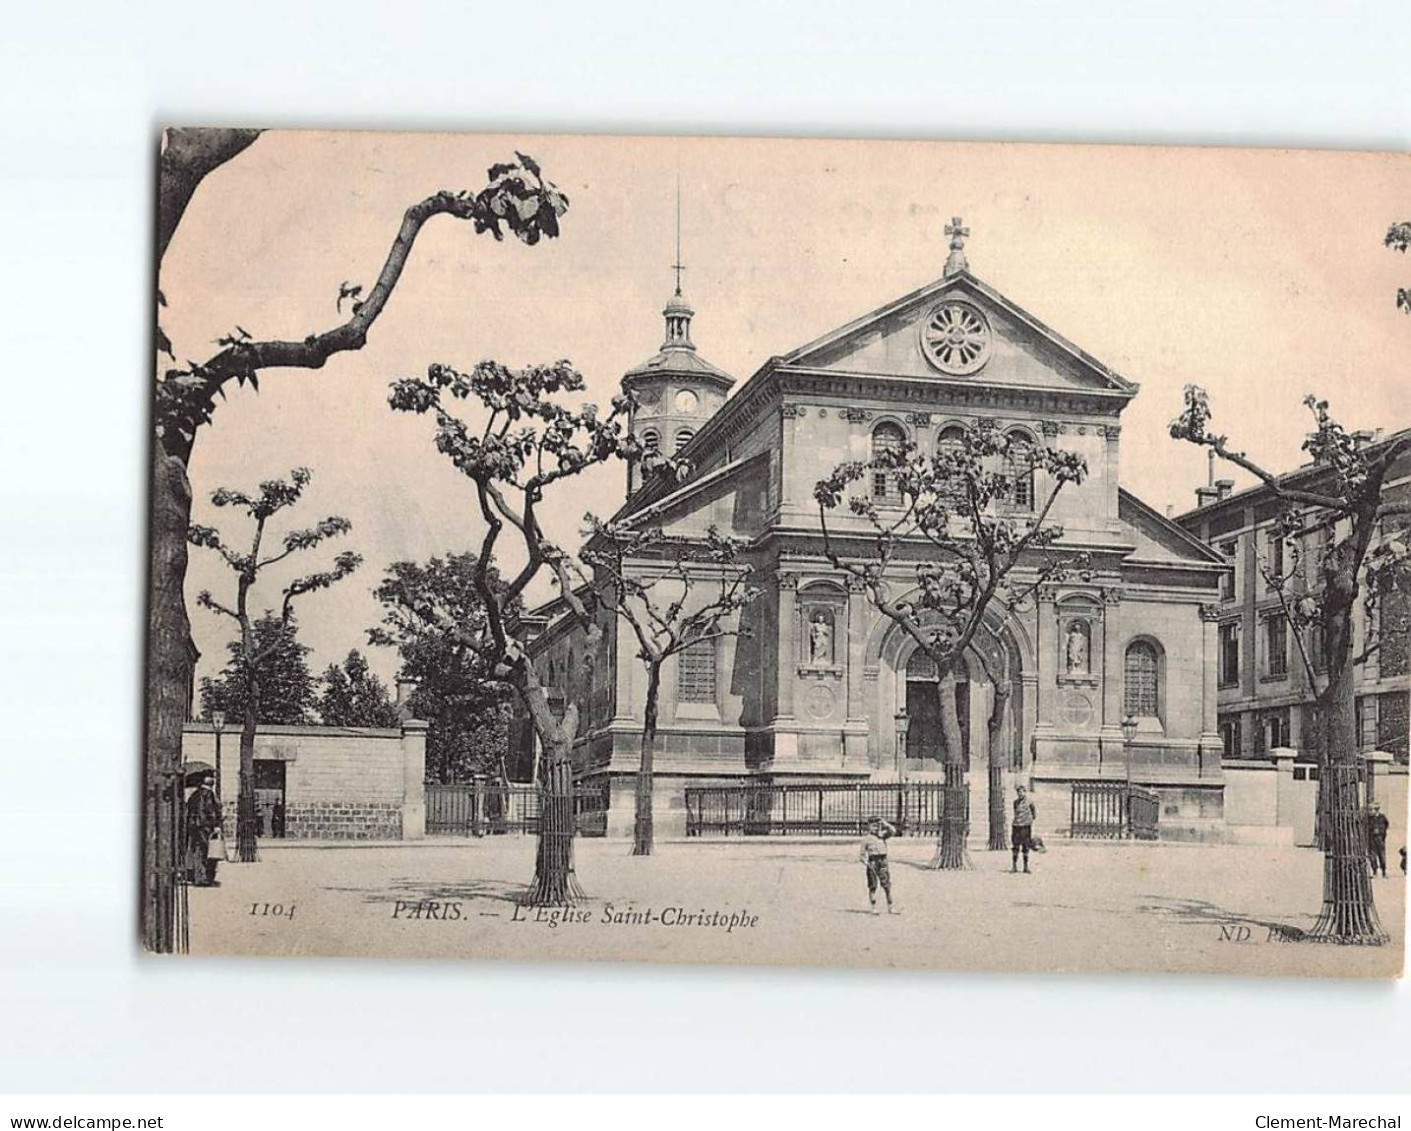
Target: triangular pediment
[1017, 349]
[1157, 538]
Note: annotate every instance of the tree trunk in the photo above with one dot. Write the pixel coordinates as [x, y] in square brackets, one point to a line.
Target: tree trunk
[246, 842]
[168, 683]
[642, 827]
[555, 884]
[951, 854]
[1349, 914]
[993, 728]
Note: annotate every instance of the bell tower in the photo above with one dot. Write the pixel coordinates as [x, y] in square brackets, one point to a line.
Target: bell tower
[676, 389]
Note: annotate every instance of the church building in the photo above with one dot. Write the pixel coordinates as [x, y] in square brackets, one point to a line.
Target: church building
[814, 686]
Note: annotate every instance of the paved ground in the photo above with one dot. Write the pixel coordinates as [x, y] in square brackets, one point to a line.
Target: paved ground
[1086, 907]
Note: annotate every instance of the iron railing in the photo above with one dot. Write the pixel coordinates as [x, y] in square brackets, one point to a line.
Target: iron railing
[913, 809]
[482, 808]
[1113, 811]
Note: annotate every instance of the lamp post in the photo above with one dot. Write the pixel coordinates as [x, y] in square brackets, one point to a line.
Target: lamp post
[1129, 733]
[903, 724]
[218, 725]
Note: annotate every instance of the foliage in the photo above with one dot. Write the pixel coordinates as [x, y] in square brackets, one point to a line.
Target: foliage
[286, 687]
[525, 442]
[516, 198]
[650, 581]
[1343, 508]
[954, 516]
[254, 648]
[1328, 531]
[353, 696]
[435, 618]
[1398, 238]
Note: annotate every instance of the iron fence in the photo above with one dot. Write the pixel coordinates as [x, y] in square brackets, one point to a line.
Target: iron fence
[483, 808]
[913, 809]
[1113, 811]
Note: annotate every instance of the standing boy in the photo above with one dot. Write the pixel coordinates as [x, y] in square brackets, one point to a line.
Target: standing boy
[874, 855]
[1022, 838]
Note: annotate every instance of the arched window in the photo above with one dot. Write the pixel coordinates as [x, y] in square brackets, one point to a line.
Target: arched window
[1141, 676]
[951, 438]
[887, 438]
[651, 440]
[695, 673]
[1019, 468]
[683, 437]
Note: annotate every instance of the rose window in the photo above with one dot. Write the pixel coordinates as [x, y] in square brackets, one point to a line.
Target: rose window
[956, 338]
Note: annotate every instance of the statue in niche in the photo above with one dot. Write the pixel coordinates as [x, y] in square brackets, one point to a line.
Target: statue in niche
[820, 639]
[1075, 649]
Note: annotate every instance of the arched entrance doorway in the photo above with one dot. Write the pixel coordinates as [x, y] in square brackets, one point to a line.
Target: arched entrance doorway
[925, 741]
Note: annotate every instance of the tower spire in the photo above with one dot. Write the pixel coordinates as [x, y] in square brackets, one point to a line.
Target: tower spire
[678, 311]
[678, 266]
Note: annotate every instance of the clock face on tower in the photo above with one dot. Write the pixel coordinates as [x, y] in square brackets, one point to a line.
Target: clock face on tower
[955, 337]
[686, 401]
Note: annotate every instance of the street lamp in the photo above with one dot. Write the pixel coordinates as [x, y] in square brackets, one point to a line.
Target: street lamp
[903, 727]
[218, 725]
[1129, 733]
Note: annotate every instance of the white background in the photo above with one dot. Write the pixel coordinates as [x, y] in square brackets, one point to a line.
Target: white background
[84, 87]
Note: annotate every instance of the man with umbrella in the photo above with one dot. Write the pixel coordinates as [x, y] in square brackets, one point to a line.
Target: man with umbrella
[203, 820]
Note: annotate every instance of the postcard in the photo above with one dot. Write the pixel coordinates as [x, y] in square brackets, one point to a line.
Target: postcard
[888, 554]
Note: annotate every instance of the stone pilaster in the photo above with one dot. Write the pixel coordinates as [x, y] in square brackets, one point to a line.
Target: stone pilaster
[1212, 747]
[1111, 749]
[1046, 648]
[414, 779]
[787, 668]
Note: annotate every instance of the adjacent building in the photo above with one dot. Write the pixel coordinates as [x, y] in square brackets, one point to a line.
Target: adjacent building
[1265, 696]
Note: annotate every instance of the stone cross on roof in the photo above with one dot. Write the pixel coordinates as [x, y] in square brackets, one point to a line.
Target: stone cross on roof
[957, 231]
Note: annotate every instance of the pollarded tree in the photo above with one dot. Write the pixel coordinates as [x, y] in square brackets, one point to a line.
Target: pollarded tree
[1341, 515]
[954, 518]
[517, 198]
[674, 594]
[434, 617]
[524, 443]
[273, 496]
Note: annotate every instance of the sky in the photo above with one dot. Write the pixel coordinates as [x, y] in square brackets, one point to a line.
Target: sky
[1260, 274]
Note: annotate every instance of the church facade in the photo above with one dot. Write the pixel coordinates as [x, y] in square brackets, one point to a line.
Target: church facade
[819, 686]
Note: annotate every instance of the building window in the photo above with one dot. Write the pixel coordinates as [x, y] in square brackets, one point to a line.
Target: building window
[887, 439]
[651, 441]
[1272, 730]
[1230, 552]
[1021, 471]
[1230, 735]
[1229, 654]
[952, 439]
[695, 673]
[683, 437]
[1276, 645]
[1276, 555]
[1141, 696]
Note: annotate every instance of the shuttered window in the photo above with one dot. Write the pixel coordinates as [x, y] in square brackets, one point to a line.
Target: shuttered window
[1141, 693]
[695, 673]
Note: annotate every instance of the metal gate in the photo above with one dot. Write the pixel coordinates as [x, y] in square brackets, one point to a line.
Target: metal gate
[1113, 811]
[482, 808]
[816, 810]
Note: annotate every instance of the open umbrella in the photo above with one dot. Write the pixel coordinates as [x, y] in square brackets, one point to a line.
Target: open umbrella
[195, 771]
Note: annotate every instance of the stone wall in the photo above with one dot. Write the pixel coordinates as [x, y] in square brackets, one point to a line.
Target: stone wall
[340, 783]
